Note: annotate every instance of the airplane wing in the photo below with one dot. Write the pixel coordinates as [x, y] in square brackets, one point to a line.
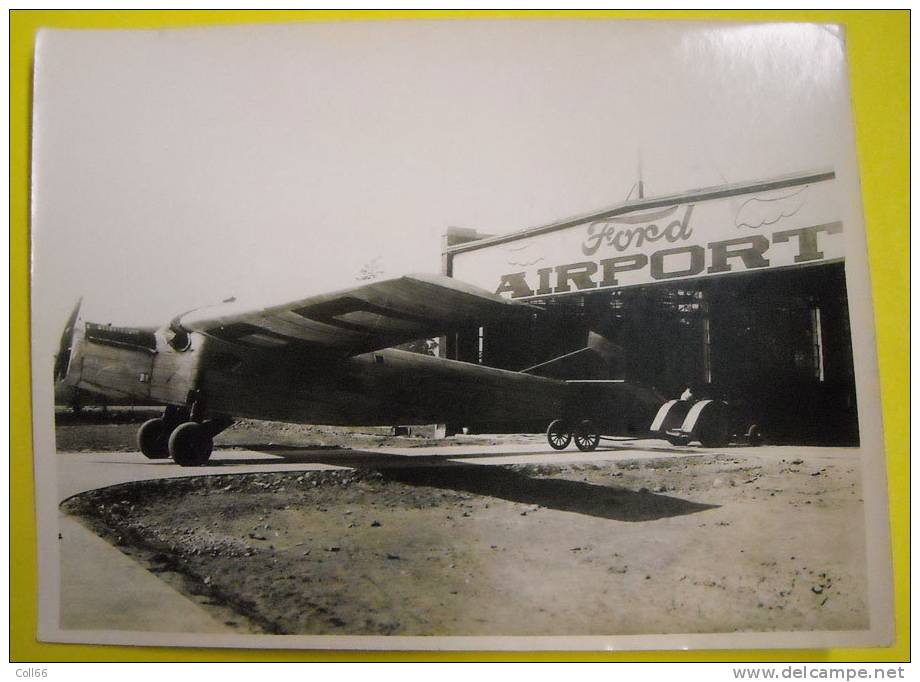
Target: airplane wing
[368, 317]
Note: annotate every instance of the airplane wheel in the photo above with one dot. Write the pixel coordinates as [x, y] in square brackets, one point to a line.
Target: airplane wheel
[584, 439]
[190, 445]
[557, 435]
[153, 439]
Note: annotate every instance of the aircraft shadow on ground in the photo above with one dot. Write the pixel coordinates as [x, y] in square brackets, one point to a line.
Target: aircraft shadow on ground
[437, 471]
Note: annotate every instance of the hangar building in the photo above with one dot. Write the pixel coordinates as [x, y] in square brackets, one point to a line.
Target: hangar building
[737, 292]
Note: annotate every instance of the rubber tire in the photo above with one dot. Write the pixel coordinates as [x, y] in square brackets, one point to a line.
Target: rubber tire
[557, 428]
[584, 439]
[153, 439]
[190, 445]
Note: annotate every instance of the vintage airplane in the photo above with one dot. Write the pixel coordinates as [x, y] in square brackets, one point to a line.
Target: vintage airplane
[329, 360]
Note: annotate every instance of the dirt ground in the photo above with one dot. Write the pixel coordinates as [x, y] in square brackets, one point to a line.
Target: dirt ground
[718, 542]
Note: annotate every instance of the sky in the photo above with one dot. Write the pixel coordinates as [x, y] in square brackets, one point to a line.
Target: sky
[173, 169]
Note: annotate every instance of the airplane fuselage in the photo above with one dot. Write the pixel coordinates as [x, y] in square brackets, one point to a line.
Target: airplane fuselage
[383, 387]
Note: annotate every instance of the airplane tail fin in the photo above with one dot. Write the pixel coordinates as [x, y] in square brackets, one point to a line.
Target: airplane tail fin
[592, 361]
[603, 347]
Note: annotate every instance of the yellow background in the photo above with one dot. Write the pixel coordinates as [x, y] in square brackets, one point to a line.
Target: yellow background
[878, 50]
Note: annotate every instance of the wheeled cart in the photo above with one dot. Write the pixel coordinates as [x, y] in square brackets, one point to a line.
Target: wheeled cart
[713, 423]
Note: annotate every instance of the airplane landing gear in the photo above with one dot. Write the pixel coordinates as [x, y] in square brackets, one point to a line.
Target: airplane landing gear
[190, 445]
[153, 439]
[153, 436]
[181, 433]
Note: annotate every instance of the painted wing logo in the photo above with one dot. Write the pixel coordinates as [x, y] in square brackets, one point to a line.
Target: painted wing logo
[518, 255]
[758, 212]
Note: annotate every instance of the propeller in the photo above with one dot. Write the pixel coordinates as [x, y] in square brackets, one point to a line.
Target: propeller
[62, 359]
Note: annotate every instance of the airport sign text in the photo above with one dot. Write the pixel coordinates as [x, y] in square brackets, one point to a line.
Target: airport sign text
[689, 260]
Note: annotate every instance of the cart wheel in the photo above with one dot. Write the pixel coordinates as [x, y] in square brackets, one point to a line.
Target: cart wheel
[558, 435]
[585, 440]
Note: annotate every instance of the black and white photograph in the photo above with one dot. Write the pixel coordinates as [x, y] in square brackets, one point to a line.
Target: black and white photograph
[513, 335]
